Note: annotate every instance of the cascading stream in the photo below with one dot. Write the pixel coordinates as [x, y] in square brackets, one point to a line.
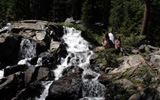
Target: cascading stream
[78, 55]
[27, 49]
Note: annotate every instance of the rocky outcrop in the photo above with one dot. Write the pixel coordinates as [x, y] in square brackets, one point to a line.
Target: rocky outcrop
[44, 35]
[29, 53]
[136, 77]
[33, 49]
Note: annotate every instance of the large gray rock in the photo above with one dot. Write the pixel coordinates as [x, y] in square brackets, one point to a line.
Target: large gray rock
[155, 59]
[69, 21]
[129, 62]
[9, 48]
[33, 74]
[67, 88]
[29, 75]
[42, 73]
[125, 83]
[30, 24]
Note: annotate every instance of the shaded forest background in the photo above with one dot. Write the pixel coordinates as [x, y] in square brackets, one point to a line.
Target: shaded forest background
[125, 16]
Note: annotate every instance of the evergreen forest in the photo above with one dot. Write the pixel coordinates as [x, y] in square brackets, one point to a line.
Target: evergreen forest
[129, 18]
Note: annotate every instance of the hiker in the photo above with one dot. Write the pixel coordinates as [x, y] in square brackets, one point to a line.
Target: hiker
[106, 41]
[112, 37]
[118, 45]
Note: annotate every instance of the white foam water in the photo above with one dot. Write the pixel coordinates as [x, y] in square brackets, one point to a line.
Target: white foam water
[78, 50]
[1, 73]
[27, 48]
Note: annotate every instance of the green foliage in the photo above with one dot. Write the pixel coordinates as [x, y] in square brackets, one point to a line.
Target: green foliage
[87, 16]
[142, 54]
[133, 87]
[126, 16]
[132, 40]
[116, 16]
[96, 37]
[77, 26]
[109, 58]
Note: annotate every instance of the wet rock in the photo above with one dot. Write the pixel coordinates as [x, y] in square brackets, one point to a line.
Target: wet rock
[31, 91]
[38, 73]
[15, 68]
[68, 88]
[29, 75]
[70, 70]
[33, 61]
[55, 31]
[43, 72]
[61, 51]
[50, 59]
[93, 58]
[10, 86]
[89, 77]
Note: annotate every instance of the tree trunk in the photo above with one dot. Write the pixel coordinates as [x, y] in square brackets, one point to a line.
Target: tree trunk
[146, 17]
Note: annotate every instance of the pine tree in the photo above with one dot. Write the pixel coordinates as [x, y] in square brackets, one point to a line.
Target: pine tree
[153, 35]
[87, 16]
[95, 12]
[126, 16]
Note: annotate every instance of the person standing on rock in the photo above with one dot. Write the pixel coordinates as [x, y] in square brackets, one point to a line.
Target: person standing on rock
[118, 45]
[112, 37]
[106, 41]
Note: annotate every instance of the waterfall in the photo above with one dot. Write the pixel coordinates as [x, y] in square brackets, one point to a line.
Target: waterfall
[78, 55]
[27, 48]
[78, 51]
[1, 73]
